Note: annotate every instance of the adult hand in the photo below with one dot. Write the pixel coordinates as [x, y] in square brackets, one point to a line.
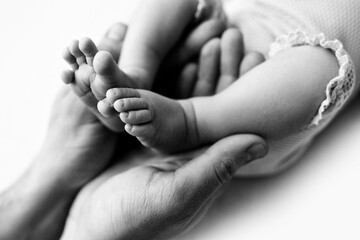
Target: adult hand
[163, 196]
[76, 149]
[222, 61]
[175, 65]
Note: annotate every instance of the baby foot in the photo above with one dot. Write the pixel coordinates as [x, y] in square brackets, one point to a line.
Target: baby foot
[157, 122]
[82, 69]
[93, 73]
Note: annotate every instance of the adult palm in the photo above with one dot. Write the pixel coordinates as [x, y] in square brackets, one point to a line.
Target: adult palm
[77, 139]
[163, 195]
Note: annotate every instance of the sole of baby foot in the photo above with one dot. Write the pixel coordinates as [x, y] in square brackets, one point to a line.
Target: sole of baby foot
[157, 122]
[81, 64]
[80, 56]
[108, 75]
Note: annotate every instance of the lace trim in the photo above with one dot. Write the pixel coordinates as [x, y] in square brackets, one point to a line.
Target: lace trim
[339, 88]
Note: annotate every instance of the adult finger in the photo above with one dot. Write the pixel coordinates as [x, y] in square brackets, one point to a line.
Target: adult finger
[208, 69]
[232, 52]
[251, 60]
[113, 39]
[186, 81]
[211, 171]
[193, 43]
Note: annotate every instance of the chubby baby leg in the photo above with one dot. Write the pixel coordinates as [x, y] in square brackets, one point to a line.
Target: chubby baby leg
[170, 125]
[276, 99]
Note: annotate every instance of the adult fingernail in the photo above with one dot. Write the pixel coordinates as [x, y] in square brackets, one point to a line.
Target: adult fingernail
[116, 32]
[256, 151]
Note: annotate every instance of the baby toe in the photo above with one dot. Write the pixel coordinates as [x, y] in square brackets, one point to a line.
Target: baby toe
[89, 49]
[76, 52]
[136, 117]
[67, 76]
[116, 93]
[70, 59]
[106, 109]
[142, 131]
[129, 104]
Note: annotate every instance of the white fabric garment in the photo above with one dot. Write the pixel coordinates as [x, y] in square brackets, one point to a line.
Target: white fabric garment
[271, 26]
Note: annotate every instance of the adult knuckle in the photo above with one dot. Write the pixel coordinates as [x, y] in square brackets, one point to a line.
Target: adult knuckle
[224, 170]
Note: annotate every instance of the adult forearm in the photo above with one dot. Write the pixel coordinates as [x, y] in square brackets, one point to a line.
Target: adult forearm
[35, 207]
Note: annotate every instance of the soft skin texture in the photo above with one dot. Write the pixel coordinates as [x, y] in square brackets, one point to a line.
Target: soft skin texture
[36, 209]
[160, 198]
[94, 72]
[275, 100]
[156, 27]
[83, 79]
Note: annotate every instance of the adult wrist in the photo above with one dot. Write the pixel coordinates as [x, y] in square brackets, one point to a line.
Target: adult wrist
[34, 203]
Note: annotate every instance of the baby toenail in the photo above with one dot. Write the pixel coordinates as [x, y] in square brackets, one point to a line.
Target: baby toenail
[122, 103]
[126, 114]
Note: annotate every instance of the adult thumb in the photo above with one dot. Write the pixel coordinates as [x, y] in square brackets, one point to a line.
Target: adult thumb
[218, 164]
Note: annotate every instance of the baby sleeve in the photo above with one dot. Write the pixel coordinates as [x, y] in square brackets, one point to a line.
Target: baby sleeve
[338, 89]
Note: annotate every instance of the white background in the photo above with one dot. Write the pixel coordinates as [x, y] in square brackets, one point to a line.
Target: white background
[316, 199]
